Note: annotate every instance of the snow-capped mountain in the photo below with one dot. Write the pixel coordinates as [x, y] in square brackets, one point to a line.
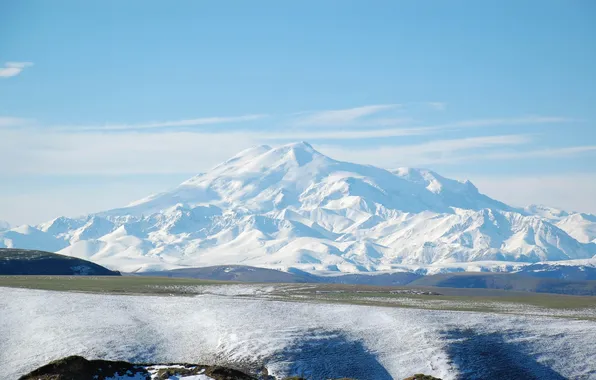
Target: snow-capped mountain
[292, 206]
[580, 226]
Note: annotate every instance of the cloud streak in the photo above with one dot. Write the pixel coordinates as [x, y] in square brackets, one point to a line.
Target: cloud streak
[538, 153]
[524, 120]
[437, 106]
[165, 124]
[432, 152]
[173, 147]
[345, 134]
[11, 122]
[569, 191]
[12, 69]
[133, 152]
[354, 123]
[341, 117]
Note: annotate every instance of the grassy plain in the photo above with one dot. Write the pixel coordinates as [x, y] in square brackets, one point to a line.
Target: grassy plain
[483, 300]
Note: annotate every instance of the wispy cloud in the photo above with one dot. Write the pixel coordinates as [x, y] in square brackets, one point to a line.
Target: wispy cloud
[437, 106]
[334, 134]
[164, 124]
[171, 146]
[348, 134]
[537, 153]
[341, 117]
[11, 122]
[360, 123]
[376, 116]
[569, 191]
[431, 152]
[467, 143]
[524, 120]
[129, 152]
[12, 69]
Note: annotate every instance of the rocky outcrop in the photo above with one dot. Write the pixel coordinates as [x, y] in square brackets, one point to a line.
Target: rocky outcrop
[79, 368]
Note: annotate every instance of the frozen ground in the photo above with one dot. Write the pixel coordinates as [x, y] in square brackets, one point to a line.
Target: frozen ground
[317, 339]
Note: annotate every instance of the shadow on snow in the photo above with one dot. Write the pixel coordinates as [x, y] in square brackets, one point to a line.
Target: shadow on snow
[490, 356]
[322, 355]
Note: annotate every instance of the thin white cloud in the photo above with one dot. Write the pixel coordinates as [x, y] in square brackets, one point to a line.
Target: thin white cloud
[301, 130]
[550, 152]
[454, 151]
[57, 149]
[341, 117]
[164, 124]
[110, 154]
[368, 117]
[568, 191]
[513, 155]
[334, 134]
[432, 152]
[183, 152]
[524, 120]
[12, 69]
[437, 106]
[11, 122]
[129, 152]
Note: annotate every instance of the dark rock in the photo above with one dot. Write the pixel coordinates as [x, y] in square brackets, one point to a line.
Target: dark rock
[420, 376]
[79, 368]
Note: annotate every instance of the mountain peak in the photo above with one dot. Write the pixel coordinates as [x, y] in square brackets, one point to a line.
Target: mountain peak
[295, 154]
[265, 156]
[300, 145]
[293, 206]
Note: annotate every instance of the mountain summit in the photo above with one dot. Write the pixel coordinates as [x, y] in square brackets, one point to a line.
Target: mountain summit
[292, 206]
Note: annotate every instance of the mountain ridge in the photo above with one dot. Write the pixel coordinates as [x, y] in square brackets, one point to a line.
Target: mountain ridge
[293, 207]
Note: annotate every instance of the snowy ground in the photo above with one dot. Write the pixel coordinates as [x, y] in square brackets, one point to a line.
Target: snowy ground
[316, 339]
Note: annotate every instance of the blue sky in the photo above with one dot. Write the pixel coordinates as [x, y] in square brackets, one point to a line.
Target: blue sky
[103, 103]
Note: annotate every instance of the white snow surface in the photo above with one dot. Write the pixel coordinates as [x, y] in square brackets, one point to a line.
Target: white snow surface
[287, 337]
[154, 374]
[579, 225]
[153, 371]
[291, 206]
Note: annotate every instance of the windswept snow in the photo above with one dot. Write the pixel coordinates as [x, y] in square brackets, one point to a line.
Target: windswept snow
[580, 226]
[291, 206]
[319, 340]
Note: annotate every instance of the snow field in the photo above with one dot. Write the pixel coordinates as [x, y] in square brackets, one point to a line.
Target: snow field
[287, 337]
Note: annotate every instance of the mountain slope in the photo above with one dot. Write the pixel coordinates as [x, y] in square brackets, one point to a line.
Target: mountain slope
[293, 207]
[580, 226]
[26, 262]
[242, 273]
[508, 281]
